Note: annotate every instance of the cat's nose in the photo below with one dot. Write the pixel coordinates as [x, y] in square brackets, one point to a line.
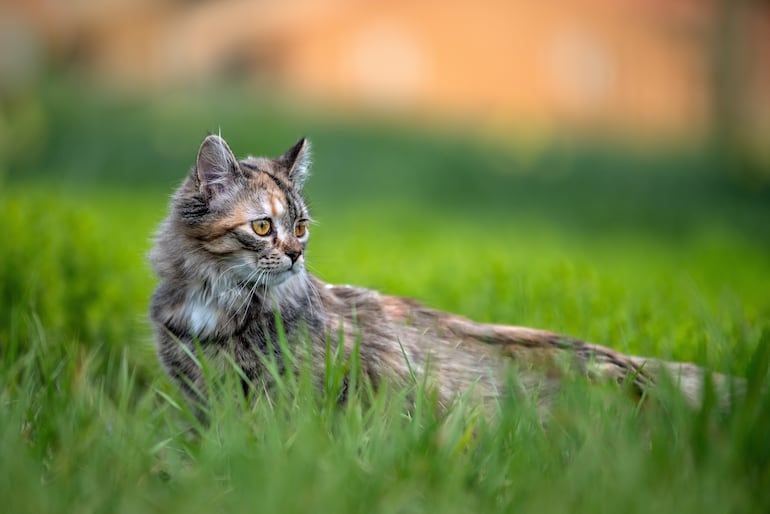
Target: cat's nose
[293, 255]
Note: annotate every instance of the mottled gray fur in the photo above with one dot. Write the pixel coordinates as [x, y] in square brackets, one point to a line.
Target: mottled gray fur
[221, 285]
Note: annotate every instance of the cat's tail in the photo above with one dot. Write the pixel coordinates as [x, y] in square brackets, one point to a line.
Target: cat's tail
[539, 348]
[694, 382]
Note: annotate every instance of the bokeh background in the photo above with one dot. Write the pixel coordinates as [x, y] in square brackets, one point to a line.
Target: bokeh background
[527, 76]
[599, 168]
[452, 141]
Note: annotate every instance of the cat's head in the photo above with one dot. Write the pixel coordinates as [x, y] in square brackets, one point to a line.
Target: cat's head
[247, 218]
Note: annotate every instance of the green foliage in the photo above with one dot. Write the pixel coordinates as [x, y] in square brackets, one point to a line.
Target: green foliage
[664, 258]
[91, 424]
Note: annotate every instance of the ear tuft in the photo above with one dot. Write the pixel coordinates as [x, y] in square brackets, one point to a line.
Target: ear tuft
[296, 161]
[216, 167]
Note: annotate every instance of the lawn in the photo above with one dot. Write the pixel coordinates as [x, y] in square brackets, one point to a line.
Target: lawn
[659, 253]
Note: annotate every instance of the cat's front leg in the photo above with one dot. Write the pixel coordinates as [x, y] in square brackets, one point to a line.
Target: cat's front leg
[183, 364]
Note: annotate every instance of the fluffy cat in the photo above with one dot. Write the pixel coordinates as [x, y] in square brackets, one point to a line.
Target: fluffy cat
[230, 256]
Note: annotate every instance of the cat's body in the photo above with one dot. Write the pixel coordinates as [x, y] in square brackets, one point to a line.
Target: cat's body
[230, 256]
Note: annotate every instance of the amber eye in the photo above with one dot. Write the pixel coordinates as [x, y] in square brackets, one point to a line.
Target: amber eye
[262, 227]
[300, 228]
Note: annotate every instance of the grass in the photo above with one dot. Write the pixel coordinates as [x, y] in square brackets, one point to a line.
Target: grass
[629, 259]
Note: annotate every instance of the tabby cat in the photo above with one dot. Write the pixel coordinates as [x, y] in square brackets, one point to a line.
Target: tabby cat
[230, 257]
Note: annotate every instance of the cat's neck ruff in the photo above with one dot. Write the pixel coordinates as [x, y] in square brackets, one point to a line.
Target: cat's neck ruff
[220, 308]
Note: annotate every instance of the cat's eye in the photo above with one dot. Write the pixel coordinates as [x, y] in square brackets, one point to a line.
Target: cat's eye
[261, 227]
[300, 229]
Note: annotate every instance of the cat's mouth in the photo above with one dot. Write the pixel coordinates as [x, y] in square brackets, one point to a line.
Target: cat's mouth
[278, 277]
[251, 274]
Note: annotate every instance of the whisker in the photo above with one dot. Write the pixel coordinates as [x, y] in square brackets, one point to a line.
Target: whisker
[310, 289]
[246, 298]
[265, 295]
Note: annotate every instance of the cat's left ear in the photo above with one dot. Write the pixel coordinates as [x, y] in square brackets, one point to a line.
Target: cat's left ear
[216, 167]
[296, 161]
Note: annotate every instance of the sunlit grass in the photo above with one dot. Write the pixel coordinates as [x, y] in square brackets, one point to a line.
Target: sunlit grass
[90, 424]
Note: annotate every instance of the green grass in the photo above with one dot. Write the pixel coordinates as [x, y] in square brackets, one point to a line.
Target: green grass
[657, 255]
[90, 424]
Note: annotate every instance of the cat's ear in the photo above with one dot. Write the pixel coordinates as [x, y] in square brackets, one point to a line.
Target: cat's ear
[296, 161]
[217, 168]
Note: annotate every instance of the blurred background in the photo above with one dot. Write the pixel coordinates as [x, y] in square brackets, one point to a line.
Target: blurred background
[675, 68]
[656, 69]
[524, 76]
[588, 112]
[599, 168]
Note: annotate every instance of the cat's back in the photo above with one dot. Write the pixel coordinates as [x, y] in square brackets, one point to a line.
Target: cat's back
[466, 350]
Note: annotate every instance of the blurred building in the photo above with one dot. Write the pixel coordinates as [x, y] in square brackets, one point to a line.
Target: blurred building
[664, 67]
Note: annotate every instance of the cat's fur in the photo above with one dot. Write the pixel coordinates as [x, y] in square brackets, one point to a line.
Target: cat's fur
[221, 286]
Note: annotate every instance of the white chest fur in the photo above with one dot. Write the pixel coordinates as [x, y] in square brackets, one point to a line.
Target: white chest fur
[203, 316]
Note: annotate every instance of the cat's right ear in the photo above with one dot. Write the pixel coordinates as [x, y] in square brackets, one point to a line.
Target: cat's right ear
[216, 168]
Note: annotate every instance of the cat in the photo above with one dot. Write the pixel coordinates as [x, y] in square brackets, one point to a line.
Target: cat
[230, 258]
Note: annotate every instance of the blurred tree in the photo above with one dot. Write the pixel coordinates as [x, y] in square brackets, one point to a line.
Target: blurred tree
[729, 78]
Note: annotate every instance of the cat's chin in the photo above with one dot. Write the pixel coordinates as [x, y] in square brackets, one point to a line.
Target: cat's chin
[272, 279]
[283, 277]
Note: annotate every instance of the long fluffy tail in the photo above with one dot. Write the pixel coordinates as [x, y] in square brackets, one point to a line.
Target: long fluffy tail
[540, 348]
[693, 381]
